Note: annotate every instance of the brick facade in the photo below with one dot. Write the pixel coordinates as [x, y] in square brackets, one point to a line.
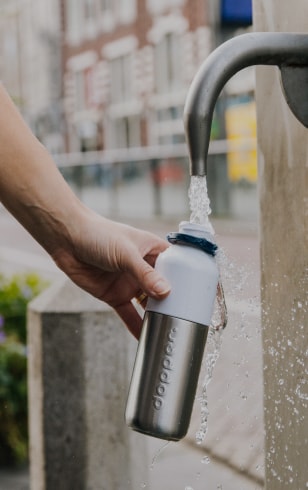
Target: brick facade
[125, 84]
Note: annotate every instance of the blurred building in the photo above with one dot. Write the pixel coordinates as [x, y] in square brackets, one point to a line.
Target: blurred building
[30, 66]
[127, 68]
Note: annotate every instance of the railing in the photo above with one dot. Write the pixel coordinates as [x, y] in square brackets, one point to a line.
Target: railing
[152, 181]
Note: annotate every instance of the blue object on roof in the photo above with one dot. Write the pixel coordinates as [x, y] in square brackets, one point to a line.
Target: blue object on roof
[236, 12]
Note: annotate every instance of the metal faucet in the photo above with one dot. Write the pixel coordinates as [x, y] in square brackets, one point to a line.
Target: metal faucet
[288, 51]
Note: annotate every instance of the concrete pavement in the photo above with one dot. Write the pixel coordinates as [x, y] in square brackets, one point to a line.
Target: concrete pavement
[231, 456]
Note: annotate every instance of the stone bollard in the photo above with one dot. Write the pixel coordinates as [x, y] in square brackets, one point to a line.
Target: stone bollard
[80, 362]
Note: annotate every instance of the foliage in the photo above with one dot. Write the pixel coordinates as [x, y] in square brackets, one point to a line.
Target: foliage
[15, 294]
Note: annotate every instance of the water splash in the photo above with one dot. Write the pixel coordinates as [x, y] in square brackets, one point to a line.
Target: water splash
[158, 453]
[205, 460]
[213, 350]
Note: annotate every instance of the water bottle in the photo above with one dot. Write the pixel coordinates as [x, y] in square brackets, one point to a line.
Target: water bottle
[173, 337]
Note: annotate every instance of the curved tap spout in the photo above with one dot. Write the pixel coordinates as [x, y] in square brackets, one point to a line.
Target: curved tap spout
[285, 50]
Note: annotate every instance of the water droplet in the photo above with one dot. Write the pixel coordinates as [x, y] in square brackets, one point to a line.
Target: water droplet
[205, 460]
[299, 390]
[281, 382]
[143, 485]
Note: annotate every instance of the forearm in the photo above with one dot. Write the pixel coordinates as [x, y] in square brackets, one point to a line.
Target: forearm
[31, 187]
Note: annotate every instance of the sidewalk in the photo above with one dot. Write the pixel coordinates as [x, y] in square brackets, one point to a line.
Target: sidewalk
[231, 456]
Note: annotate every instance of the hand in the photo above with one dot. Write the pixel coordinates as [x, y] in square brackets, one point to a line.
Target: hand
[114, 263]
[111, 261]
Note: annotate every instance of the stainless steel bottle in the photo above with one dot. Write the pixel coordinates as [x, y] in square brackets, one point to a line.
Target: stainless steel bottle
[174, 332]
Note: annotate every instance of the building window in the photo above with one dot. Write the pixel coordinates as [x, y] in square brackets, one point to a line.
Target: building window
[106, 15]
[167, 119]
[126, 132]
[74, 20]
[169, 125]
[90, 18]
[121, 79]
[126, 121]
[80, 91]
[126, 11]
[85, 96]
[89, 10]
[125, 108]
[116, 11]
[106, 6]
[168, 64]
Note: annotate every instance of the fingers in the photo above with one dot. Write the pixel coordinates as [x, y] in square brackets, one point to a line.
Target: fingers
[149, 280]
[128, 313]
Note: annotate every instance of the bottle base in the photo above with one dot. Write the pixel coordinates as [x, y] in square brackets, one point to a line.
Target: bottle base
[165, 376]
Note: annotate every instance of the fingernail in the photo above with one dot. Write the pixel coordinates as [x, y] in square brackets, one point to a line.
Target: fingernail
[161, 287]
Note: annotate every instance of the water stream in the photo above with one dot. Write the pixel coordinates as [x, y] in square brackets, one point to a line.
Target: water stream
[158, 453]
[199, 201]
[200, 211]
[214, 341]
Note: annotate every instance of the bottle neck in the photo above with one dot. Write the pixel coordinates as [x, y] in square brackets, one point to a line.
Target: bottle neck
[197, 230]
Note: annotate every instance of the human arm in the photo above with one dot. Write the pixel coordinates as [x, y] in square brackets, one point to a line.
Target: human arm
[112, 261]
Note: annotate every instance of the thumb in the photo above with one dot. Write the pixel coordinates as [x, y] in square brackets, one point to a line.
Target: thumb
[150, 281]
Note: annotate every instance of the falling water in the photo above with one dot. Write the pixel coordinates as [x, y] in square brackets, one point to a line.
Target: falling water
[213, 346]
[200, 210]
[158, 453]
[199, 201]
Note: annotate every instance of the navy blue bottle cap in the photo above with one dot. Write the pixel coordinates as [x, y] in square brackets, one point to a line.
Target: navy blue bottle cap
[201, 243]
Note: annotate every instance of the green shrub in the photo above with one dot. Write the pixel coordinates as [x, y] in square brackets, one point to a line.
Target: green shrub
[15, 294]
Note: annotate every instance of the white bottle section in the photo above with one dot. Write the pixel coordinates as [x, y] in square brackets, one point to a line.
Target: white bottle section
[193, 277]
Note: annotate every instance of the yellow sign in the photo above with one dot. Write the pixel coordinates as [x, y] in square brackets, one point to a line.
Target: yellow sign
[241, 131]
